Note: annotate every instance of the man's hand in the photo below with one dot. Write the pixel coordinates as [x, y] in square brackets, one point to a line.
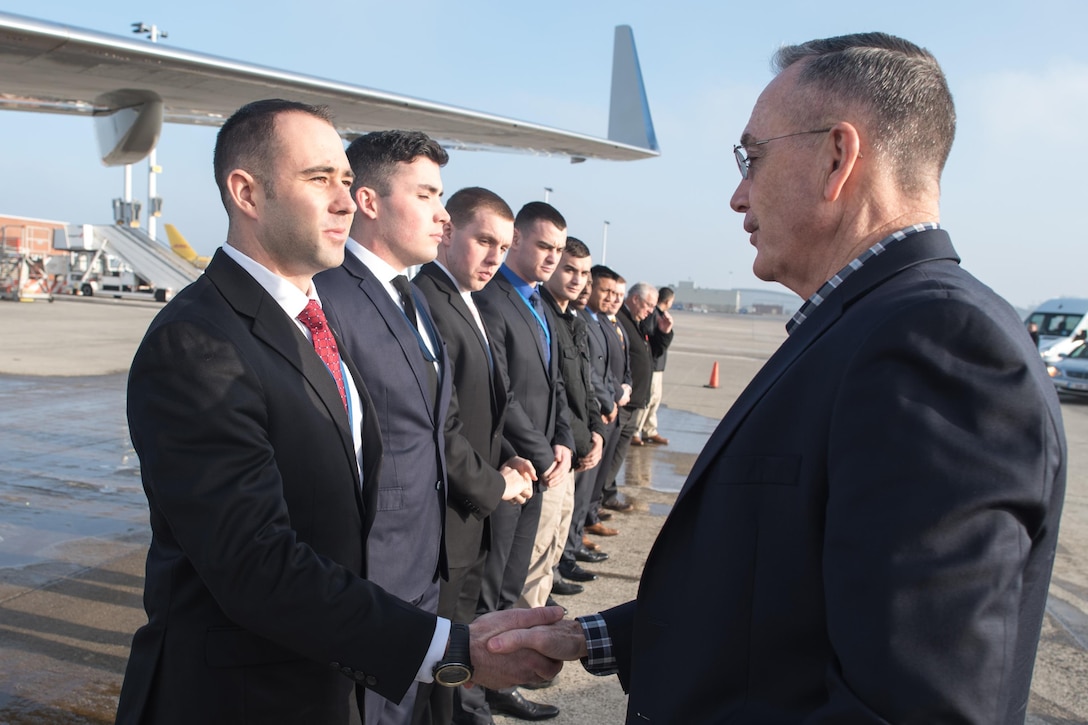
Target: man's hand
[626, 395]
[564, 640]
[516, 666]
[664, 321]
[559, 469]
[519, 487]
[592, 458]
[607, 419]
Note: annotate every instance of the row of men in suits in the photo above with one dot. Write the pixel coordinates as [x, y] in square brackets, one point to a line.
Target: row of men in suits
[301, 451]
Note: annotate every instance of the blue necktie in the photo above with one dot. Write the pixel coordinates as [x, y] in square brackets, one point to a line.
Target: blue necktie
[541, 331]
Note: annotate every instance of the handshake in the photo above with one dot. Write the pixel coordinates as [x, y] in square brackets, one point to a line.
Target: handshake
[521, 646]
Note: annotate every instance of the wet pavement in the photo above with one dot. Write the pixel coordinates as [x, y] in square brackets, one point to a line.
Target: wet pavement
[74, 532]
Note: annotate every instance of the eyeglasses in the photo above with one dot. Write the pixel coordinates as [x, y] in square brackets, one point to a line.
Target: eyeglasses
[744, 163]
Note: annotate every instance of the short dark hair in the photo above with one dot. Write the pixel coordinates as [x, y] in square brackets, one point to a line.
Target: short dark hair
[599, 271]
[248, 140]
[466, 202]
[536, 211]
[576, 248]
[374, 156]
[898, 87]
[665, 294]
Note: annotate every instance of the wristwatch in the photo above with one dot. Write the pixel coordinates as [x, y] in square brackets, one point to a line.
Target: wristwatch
[455, 668]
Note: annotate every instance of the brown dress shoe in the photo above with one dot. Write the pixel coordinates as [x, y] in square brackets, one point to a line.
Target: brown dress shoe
[658, 439]
[636, 441]
[601, 530]
[590, 543]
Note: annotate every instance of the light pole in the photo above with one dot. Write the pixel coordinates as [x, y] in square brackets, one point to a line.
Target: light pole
[154, 203]
[604, 243]
[547, 193]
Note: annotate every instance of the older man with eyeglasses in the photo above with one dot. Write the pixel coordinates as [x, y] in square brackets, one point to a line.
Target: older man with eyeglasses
[869, 534]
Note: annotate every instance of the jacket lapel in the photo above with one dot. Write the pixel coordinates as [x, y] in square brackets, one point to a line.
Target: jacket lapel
[914, 250]
[395, 321]
[273, 327]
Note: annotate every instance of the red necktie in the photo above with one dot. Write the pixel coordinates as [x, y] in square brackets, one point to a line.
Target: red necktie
[324, 343]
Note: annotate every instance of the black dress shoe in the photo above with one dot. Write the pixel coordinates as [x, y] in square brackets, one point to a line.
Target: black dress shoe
[604, 515]
[591, 557]
[575, 573]
[552, 603]
[619, 503]
[539, 685]
[514, 704]
[565, 588]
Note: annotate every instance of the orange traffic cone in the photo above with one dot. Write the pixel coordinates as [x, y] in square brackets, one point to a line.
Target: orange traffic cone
[713, 376]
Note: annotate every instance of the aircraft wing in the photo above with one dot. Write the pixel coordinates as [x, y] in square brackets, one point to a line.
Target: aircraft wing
[131, 86]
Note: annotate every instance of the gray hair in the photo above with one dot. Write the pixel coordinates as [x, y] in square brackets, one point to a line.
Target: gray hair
[642, 290]
[897, 86]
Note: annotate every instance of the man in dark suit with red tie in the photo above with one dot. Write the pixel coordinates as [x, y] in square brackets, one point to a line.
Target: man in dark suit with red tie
[259, 455]
[881, 504]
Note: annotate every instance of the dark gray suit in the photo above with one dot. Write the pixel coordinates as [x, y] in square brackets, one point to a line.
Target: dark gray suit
[407, 553]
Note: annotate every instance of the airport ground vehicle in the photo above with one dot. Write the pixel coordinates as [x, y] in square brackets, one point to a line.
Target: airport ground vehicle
[1062, 323]
[1070, 371]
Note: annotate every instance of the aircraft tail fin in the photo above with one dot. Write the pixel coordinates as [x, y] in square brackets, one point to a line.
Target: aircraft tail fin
[179, 244]
[183, 249]
[629, 119]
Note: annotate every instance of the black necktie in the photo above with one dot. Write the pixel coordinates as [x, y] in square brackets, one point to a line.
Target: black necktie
[541, 331]
[401, 284]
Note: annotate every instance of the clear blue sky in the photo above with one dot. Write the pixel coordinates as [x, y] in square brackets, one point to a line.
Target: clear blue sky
[1013, 189]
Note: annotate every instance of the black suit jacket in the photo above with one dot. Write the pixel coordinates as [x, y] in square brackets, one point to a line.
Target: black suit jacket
[257, 607]
[881, 505]
[641, 357]
[572, 338]
[406, 542]
[474, 443]
[605, 385]
[536, 411]
[619, 362]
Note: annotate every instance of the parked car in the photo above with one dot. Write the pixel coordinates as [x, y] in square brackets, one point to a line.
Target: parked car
[1070, 371]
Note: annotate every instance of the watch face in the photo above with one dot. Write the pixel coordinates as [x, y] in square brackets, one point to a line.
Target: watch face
[452, 675]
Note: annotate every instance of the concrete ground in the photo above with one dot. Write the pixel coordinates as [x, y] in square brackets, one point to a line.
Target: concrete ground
[73, 525]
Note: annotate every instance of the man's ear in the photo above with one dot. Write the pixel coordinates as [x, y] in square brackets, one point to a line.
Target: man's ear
[845, 151]
[447, 233]
[515, 239]
[245, 192]
[366, 199]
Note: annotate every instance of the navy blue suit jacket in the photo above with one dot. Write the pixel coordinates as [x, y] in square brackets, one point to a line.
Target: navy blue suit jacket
[880, 512]
[406, 542]
[536, 413]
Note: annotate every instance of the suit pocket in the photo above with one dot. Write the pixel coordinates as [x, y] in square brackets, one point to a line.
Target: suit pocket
[757, 471]
[390, 499]
[236, 647]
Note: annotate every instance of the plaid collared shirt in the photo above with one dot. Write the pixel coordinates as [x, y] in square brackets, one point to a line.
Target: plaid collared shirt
[821, 294]
[600, 660]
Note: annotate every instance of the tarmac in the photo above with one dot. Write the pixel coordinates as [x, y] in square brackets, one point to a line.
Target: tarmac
[74, 532]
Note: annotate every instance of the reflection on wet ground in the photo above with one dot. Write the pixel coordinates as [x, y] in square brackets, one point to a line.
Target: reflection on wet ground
[67, 469]
[665, 468]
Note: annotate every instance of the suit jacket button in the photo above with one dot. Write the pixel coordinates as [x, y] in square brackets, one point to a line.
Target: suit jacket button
[334, 665]
[438, 485]
[360, 676]
[371, 681]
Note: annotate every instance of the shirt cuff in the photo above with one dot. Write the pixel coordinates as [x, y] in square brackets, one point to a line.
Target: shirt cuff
[600, 659]
[436, 651]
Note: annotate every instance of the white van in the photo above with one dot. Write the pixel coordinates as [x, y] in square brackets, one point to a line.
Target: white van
[1062, 323]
